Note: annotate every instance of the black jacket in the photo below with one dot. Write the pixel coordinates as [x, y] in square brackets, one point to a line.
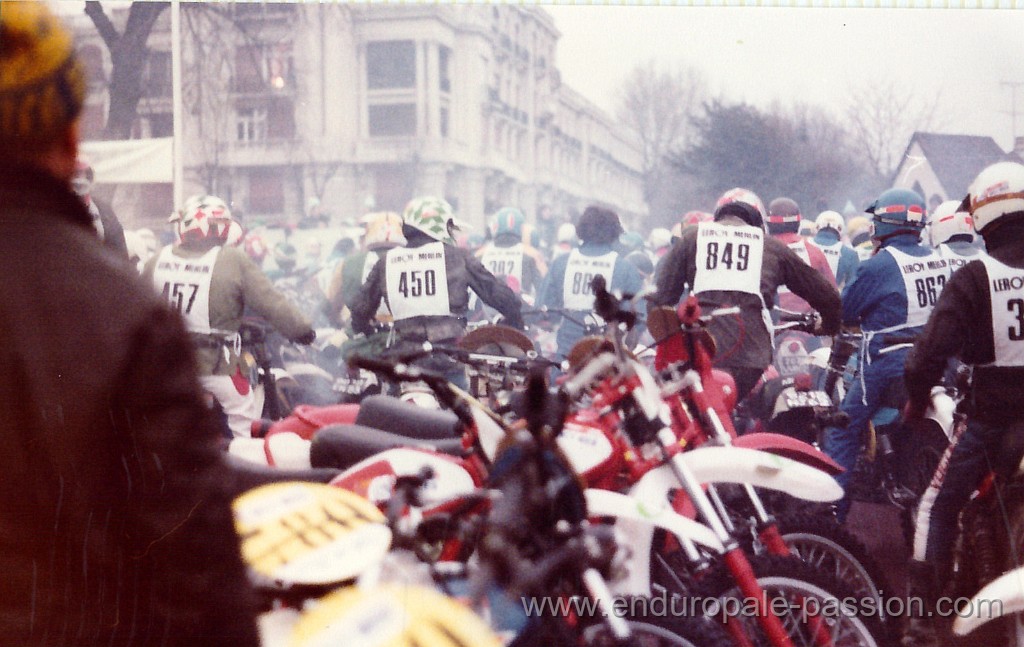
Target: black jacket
[465, 272]
[115, 526]
[745, 342]
[961, 326]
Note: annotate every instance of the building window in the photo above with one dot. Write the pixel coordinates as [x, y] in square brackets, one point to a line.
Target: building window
[391, 64]
[259, 68]
[444, 121]
[266, 190]
[251, 124]
[444, 58]
[280, 119]
[392, 119]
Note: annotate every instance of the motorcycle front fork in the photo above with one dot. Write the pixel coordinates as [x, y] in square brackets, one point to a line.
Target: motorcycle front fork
[897, 493]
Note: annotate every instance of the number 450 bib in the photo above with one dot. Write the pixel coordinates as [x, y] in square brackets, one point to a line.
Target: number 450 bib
[728, 258]
[416, 282]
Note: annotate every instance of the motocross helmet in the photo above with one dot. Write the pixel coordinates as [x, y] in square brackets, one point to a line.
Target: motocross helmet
[204, 219]
[997, 194]
[632, 241]
[830, 220]
[431, 216]
[507, 221]
[742, 203]
[383, 230]
[897, 211]
[286, 256]
[255, 247]
[783, 216]
[859, 230]
[566, 234]
[695, 218]
[659, 238]
[949, 221]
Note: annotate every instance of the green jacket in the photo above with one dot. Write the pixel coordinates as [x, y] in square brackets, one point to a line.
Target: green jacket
[238, 287]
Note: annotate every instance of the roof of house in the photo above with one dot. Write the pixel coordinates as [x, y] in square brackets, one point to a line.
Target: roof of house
[957, 159]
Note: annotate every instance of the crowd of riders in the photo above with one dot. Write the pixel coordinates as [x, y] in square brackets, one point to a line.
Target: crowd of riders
[116, 520]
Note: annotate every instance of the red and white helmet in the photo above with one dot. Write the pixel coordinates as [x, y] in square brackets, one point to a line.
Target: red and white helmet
[949, 220]
[744, 204]
[998, 191]
[204, 219]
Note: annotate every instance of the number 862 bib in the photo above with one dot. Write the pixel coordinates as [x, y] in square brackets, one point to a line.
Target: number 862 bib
[416, 282]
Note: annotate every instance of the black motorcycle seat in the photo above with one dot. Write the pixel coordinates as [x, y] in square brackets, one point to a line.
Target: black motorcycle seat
[342, 446]
[405, 419]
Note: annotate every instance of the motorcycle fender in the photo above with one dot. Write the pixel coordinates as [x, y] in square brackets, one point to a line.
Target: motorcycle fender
[1007, 589]
[789, 447]
[587, 448]
[762, 469]
[374, 477]
[605, 503]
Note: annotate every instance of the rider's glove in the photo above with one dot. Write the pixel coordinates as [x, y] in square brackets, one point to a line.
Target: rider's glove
[305, 338]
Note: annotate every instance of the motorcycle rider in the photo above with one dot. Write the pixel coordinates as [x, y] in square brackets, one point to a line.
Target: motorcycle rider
[841, 257]
[951, 231]
[426, 285]
[383, 232]
[894, 292]
[508, 257]
[784, 224]
[115, 519]
[211, 281]
[859, 231]
[979, 319]
[731, 262]
[567, 285]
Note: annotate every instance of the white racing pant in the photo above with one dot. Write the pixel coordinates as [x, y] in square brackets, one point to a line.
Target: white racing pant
[241, 408]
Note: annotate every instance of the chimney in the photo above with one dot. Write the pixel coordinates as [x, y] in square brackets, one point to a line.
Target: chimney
[1018, 146]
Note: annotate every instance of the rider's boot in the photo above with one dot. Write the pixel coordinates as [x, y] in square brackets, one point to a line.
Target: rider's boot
[921, 629]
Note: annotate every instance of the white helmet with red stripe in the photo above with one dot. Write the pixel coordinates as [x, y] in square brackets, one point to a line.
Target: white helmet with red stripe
[205, 219]
[998, 191]
[950, 220]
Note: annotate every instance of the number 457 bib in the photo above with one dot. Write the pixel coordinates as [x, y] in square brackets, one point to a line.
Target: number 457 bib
[728, 258]
[417, 282]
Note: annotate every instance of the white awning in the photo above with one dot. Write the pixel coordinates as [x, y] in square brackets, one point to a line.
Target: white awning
[132, 161]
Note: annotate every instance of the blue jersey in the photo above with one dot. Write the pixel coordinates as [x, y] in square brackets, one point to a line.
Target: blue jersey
[895, 290]
[568, 289]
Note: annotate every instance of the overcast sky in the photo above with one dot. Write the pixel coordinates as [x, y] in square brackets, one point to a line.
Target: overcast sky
[758, 55]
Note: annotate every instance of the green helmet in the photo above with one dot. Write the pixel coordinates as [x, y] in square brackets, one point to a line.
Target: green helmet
[507, 220]
[432, 216]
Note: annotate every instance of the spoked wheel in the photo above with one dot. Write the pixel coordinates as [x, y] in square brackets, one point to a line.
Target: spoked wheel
[802, 598]
[663, 630]
[825, 546]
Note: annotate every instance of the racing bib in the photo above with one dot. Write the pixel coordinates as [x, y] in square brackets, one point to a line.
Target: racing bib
[956, 261]
[832, 254]
[506, 262]
[185, 284]
[416, 282]
[923, 279]
[1006, 289]
[728, 258]
[580, 270]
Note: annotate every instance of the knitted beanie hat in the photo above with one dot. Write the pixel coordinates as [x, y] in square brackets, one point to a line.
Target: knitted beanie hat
[42, 83]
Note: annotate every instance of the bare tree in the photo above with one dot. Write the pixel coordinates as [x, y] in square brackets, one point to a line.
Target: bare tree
[128, 55]
[883, 118]
[657, 105]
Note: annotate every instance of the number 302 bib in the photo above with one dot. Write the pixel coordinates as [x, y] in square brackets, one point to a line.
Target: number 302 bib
[728, 258]
[416, 282]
